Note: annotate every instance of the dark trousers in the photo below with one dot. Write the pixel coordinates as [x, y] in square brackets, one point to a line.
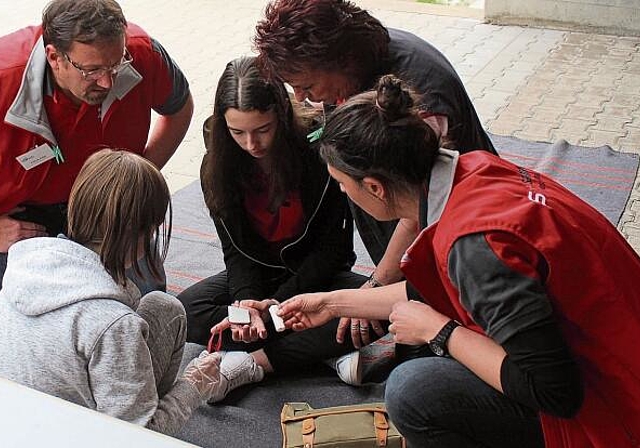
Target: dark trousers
[206, 304]
[437, 402]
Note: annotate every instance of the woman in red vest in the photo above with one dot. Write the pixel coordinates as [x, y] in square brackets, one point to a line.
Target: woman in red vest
[526, 295]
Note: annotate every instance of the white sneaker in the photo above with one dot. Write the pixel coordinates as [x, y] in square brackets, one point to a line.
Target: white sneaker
[236, 369]
[348, 367]
[372, 363]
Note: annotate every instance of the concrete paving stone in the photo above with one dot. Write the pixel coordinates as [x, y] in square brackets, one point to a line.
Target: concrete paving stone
[538, 93]
[615, 62]
[581, 112]
[541, 135]
[619, 51]
[476, 89]
[484, 30]
[630, 143]
[577, 39]
[612, 124]
[627, 87]
[563, 94]
[509, 32]
[598, 91]
[570, 128]
[581, 100]
[536, 130]
[628, 42]
[614, 110]
[626, 99]
[549, 73]
[490, 105]
[505, 124]
[489, 74]
[517, 107]
[576, 72]
[528, 65]
[512, 81]
[605, 82]
[634, 240]
[548, 114]
[558, 135]
[562, 55]
[604, 39]
[597, 138]
[519, 47]
[542, 48]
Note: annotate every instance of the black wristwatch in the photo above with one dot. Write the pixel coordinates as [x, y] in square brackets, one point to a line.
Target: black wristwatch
[438, 344]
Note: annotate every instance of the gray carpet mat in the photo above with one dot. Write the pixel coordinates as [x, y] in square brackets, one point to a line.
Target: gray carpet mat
[249, 416]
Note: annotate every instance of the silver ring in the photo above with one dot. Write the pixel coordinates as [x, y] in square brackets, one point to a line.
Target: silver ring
[364, 330]
[355, 327]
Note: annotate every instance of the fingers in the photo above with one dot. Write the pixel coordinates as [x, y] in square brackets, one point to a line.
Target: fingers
[297, 321]
[252, 332]
[255, 304]
[343, 327]
[364, 332]
[221, 326]
[355, 333]
[13, 230]
[377, 327]
[289, 307]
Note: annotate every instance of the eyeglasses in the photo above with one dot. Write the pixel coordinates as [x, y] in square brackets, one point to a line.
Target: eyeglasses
[97, 73]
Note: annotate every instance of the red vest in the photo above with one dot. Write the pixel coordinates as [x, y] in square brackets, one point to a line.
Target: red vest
[593, 285]
[125, 124]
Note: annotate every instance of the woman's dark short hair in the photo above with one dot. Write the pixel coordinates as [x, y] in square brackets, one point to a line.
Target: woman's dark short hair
[118, 198]
[379, 134]
[85, 21]
[332, 35]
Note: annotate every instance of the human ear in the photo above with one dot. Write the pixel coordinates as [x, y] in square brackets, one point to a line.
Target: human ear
[53, 56]
[374, 187]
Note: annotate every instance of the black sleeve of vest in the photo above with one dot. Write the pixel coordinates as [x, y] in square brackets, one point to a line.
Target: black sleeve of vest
[515, 311]
[539, 371]
[413, 293]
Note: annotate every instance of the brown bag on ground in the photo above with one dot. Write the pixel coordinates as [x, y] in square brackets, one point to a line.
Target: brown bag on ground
[362, 425]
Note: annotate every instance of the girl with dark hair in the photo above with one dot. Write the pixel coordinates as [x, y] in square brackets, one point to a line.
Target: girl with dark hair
[284, 226]
[525, 295]
[75, 327]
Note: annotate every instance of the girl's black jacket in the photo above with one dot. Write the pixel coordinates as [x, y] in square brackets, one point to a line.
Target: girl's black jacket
[307, 264]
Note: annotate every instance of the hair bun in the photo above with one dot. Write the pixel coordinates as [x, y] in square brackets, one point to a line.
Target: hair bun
[392, 98]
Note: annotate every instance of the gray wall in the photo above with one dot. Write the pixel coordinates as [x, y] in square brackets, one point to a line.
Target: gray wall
[620, 17]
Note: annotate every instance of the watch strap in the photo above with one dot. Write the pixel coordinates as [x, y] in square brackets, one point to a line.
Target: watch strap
[438, 344]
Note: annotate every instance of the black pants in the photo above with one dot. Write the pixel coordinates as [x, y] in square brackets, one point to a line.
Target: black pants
[206, 304]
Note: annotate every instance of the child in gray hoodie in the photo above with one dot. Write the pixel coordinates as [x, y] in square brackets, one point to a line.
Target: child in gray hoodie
[73, 326]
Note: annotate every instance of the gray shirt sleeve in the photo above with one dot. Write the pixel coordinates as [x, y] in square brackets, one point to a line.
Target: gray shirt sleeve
[501, 300]
[180, 91]
[123, 383]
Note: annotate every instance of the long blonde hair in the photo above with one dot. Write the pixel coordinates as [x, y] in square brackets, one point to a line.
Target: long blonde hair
[118, 198]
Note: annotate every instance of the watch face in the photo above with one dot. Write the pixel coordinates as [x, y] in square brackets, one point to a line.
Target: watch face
[436, 348]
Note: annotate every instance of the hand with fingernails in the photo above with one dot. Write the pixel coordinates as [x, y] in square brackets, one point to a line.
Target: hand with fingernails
[259, 313]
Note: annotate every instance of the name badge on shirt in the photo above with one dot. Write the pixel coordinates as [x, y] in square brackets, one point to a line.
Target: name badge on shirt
[36, 156]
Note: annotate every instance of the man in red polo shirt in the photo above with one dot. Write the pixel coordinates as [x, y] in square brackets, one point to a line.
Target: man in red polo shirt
[83, 80]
